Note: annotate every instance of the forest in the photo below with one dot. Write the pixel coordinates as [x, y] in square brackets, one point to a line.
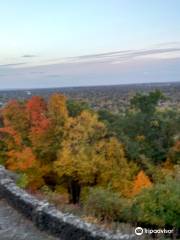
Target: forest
[120, 167]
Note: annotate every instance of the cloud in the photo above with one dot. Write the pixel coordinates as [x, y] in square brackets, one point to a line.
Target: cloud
[128, 54]
[29, 56]
[162, 51]
[98, 73]
[37, 72]
[12, 64]
[121, 56]
[54, 76]
[167, 44]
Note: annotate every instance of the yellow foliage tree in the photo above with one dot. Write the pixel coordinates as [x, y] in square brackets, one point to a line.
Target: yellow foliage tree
[114, 170]
[58, 116]
[57, 109]
[90, 158]
[76, 163]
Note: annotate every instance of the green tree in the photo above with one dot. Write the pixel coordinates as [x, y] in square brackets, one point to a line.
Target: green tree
[146, 131]
[76, 107]
[147, 103]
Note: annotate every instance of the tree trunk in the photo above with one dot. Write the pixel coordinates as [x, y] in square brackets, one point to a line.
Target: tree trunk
[74, 190]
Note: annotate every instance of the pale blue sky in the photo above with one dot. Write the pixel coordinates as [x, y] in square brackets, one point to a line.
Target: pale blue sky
[56, 32]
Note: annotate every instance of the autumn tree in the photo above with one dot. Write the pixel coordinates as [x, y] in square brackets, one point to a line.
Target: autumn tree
[141, 181]
[47, 129]
[58, 116]
[36, 110]
[89, 157]
[76, 163]
[57, 109]
[15, 118]
[113, 169]
[21, 160]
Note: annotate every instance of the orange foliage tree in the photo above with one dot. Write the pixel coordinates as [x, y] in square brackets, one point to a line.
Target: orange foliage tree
[15, 118]
[141, 181]
[21, 160]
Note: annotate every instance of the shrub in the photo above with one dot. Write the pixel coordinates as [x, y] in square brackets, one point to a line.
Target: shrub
[158, 205]
[104, 204]
[85, 191]
[22, 180]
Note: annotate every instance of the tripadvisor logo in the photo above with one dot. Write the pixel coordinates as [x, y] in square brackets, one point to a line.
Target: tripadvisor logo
[139, 231]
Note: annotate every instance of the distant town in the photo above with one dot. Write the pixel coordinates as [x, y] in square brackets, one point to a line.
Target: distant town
[114, 98]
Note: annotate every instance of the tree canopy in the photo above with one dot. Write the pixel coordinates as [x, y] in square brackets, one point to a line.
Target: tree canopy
[131, 157]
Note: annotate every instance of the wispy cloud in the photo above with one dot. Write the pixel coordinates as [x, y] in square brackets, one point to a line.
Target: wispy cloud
[29, 56]
[160, 51]
[117, 56]
[167, 44]
[98, 72]
[12, 64]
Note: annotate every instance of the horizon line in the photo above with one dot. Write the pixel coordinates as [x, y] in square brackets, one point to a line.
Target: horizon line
[89, 86]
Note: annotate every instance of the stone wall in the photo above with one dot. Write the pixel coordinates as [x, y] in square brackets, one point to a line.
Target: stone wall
[47, 218]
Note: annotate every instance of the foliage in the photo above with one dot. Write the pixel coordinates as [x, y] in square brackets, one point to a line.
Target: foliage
[23, 180]
[76, 107]
[174, 153]
[87, 158]
[144, 129]
[76, 162]
[3, 150]
[20, 160]
[113, 168]
[105, 204]
[158, 205]
[77, 147]
[15, 117]
[142, 181]
[57, 109]
[120, 166]
[146, 103]
[36, 111]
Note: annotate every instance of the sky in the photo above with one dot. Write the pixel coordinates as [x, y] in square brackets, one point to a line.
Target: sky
[78, 43]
